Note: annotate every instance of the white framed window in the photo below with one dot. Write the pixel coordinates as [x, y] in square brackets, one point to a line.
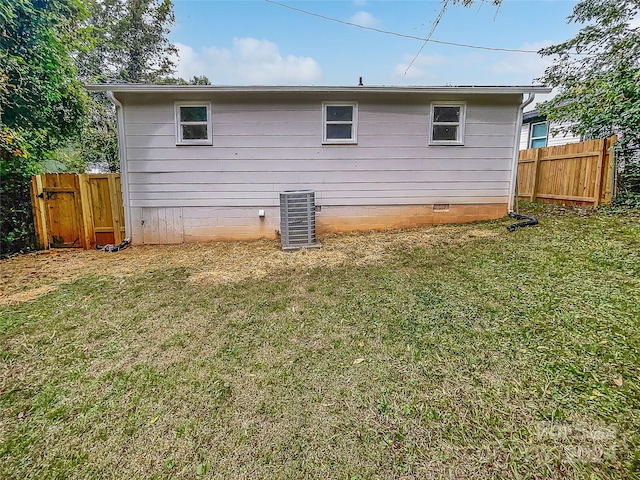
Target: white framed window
[193, 123]
[447, 123]
[339, 122]
[538, 135]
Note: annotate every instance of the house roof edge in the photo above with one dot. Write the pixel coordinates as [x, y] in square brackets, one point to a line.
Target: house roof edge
[462, 89]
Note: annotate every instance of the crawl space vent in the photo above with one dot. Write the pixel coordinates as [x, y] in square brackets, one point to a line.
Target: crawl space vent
[298, 220]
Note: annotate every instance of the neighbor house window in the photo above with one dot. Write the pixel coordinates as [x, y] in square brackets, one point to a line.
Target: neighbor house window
[339, 122]
[538, 136]
[193, 123]
[447, 123]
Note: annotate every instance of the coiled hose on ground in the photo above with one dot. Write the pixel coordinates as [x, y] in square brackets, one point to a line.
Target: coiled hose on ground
[530, 221]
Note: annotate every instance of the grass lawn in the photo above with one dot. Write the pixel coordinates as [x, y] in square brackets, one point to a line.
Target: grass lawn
[450, 352]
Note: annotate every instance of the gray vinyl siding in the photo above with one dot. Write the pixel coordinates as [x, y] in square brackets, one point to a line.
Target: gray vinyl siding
[524, 136]
[552, 139]
[556, 139]
[262, 148]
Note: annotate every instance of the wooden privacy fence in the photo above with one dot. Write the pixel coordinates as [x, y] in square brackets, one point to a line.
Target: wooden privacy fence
[577, 173]
[80, 211]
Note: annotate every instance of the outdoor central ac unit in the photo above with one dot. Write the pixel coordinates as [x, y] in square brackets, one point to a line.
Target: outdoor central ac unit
[298, 220]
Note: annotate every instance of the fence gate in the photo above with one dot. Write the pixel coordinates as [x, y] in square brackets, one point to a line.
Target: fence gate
[61, 204]
[79, 211]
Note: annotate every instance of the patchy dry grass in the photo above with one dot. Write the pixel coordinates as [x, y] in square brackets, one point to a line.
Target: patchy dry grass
[446, 352]
[26, 277]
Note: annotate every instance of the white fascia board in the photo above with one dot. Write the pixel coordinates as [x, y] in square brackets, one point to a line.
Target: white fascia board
[143, 88]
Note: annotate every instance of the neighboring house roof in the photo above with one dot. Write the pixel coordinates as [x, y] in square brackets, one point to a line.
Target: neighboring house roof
[464, 89]
[533, 116]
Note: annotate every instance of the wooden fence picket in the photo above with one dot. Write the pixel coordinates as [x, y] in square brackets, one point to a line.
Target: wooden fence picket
[577, 173]
[79, 211]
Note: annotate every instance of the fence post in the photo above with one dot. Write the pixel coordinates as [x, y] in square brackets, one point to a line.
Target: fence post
[39, 213]
[87, 211]
[609, 170]
[536, 175]
[600, 163]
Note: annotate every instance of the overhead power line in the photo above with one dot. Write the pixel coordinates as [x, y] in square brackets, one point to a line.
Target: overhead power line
[401, 35]
[428, 37]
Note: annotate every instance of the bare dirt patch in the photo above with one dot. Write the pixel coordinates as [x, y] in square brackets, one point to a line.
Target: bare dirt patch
[26, 295]
[26, 277]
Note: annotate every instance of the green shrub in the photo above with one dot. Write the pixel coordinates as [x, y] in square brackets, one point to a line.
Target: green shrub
[16, 217]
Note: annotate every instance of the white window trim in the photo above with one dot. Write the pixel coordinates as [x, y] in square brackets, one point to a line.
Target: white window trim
[532, 138]
[179, 139]
[461, 124]
[354, 122]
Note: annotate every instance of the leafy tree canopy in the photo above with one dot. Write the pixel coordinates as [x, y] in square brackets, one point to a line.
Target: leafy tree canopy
[195, 80]
[42, 104]
[597, 76]
[128, 41]
[597, 73]
[40, 97]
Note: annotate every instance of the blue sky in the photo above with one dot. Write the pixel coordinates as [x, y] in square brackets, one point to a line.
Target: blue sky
[256, 42]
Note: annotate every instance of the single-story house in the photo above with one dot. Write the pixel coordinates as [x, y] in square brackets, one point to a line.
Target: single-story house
[538, 132]
[204, 162]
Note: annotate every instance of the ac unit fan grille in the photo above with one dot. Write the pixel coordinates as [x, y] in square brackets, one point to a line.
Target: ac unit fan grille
[298, 220]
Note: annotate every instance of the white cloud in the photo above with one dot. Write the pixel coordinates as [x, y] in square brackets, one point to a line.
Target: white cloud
[248, 62]
[527, 65]
[364, 18]
[423, 68]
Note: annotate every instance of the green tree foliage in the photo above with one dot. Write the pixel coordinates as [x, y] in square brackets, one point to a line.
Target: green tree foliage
[42, 103]
[195, 80]
[597, 75]
[40, 93]
[199, 80]
[16, 168]
[99, 142]
[128, 41]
